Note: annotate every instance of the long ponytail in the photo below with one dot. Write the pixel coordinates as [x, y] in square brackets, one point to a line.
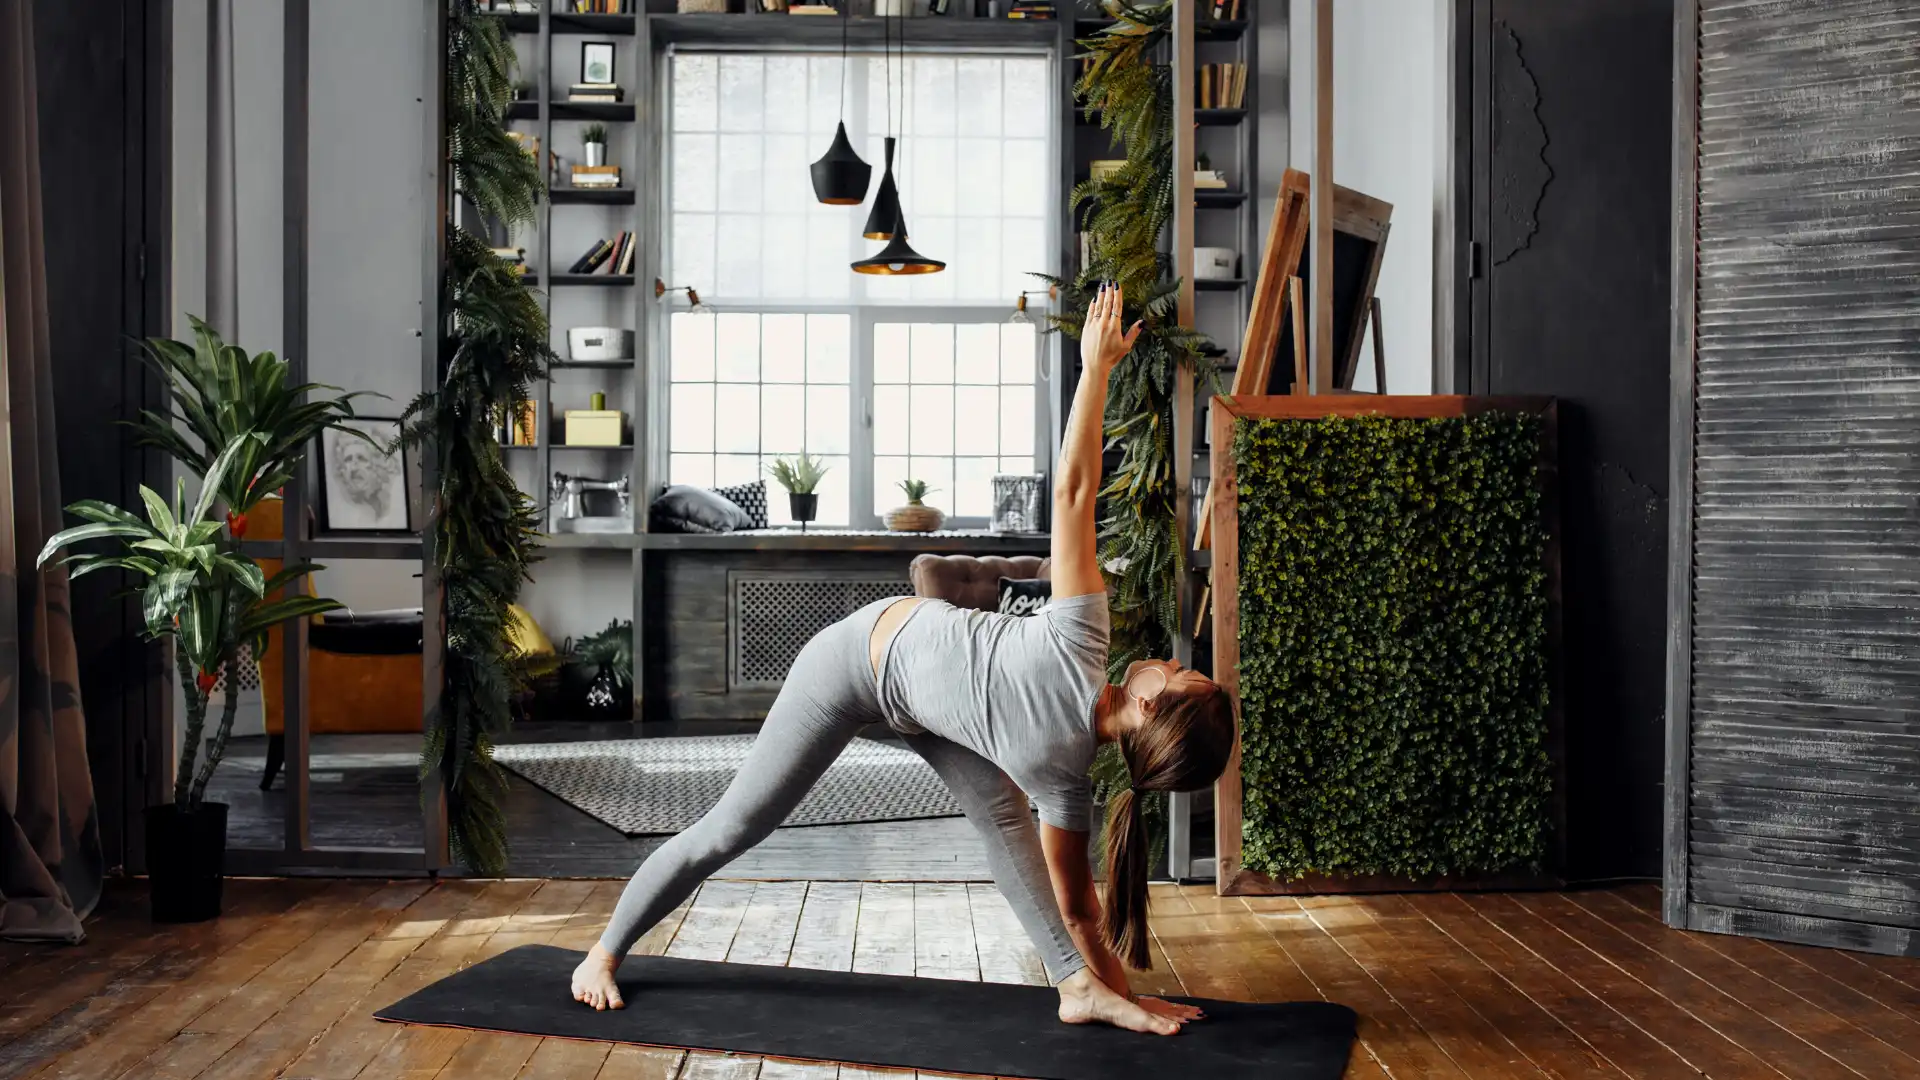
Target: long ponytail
[1123, 918]
[1183, 746]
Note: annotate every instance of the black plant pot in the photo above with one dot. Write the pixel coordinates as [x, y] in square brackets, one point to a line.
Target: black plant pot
[186, 861]
[608, 700]
[803, 507]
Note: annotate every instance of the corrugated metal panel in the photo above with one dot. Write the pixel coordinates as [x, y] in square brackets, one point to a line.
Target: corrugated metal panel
[1804, 782]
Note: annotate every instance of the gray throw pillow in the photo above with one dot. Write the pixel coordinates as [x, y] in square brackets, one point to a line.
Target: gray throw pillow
[685, 508]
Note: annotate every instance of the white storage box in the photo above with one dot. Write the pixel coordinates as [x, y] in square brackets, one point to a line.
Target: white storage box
[599, 343]
[1214, 263]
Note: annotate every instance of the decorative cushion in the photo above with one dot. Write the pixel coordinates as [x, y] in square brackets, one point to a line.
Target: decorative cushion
[685, 508]
[1024, 596]
[749, 497]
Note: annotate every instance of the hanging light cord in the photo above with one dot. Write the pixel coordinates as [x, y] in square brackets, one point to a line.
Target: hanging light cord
[886, 66]
[845, 12]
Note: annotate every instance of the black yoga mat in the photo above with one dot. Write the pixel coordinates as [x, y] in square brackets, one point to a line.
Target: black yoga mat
[992, 1029]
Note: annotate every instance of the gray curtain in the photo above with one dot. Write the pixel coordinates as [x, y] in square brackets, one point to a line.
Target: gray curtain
[50, 856]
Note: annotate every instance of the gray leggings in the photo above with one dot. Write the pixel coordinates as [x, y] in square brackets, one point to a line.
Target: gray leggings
[829, 695]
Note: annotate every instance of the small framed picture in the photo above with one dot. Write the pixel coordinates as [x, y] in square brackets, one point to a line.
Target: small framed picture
[596, 61]
[364, 478]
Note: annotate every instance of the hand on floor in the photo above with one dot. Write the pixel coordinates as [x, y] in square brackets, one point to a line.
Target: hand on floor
[593, 982]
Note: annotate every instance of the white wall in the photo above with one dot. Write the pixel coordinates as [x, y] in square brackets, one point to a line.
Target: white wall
[1389, 103]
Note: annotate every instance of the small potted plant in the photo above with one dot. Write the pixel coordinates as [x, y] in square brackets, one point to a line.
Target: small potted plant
[800, 475]
[604, 662]
[916, 516]
[593, 139]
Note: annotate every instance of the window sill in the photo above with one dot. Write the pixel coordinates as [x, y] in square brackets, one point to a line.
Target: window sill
[967, 541]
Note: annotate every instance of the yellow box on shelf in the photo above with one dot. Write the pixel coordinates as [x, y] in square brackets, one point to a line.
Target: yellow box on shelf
[595, 427]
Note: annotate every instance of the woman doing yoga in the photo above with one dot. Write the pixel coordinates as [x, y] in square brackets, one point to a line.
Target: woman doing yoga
[1003, 708]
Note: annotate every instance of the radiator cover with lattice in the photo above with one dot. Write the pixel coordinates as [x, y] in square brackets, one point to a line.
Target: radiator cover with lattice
[771, 615]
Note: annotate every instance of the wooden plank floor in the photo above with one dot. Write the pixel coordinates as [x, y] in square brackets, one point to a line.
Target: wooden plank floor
[1573, 985]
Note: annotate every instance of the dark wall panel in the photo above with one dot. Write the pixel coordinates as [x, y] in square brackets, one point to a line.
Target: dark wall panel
[1569, 206]
[102, 198]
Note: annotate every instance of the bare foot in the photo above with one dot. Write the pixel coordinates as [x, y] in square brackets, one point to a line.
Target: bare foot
[1084, 999]
[593, 981]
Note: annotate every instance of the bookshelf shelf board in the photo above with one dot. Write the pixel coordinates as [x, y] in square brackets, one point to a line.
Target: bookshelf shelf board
[1218, 117]
[1218, 199]
[518, 446]
[566, 22]
[1204, 29]
[780, 31]
[1201, 118]
[610, 25]
[587, 196]
[616, 111]
[607, 449]
[607, 281]
[592, 364]
[591, 541]
[524, 22]
[1218, 284]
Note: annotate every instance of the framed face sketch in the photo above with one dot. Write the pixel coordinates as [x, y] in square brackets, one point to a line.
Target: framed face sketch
[363, 486]
[596, 61]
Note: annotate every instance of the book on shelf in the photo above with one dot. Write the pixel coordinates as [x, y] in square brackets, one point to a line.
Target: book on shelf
[602, 7]
[1221, 86]
[1226, 9]
[576, 98]
[611, 254]
[1209, 180]
[594, 253]
[1033, 10]
[596, 176]
[812, 9]
[595, 92]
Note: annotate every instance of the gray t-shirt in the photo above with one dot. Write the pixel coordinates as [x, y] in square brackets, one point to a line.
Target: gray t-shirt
[1018, 691]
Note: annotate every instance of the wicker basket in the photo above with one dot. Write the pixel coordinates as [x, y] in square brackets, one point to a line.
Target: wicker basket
[703, 7]
[915, 519]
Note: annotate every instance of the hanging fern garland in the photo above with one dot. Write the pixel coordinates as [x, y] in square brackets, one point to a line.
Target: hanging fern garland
[486, 530]
[1124, 214]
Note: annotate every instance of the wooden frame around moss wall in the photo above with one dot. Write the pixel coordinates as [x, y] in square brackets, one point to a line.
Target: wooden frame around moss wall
[1234, 879]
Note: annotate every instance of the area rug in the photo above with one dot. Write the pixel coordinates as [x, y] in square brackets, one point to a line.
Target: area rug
[653, 786]
[935, 1025]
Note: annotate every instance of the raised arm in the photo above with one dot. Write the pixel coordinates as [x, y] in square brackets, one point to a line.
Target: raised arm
[1076, 487]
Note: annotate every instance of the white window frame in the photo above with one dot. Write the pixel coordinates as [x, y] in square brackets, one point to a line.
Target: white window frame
[865, 315]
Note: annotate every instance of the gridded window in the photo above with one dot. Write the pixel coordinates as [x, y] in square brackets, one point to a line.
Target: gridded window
[974, 174]
[748, 387]
[953, 404]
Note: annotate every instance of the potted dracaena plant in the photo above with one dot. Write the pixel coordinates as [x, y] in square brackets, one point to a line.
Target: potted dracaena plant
[801, 476]
[221, 401]
[208, 600]
[916, 516]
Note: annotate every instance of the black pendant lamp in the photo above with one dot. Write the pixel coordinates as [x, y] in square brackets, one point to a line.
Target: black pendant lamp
[888, 221]
[840, 177]
[886, 202]
[897, 258]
